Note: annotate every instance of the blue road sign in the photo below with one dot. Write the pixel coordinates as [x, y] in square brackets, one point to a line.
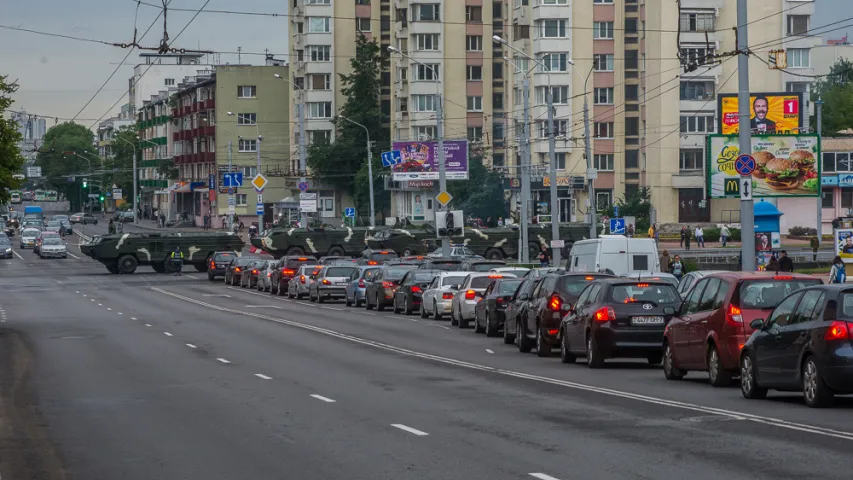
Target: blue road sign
[232, 191]
[745, 165]
[349, 212]
[303, 186]
[259, 209]
[211, 181]
[232, 179]
[391, 158]
[617, 226]
[615, 210]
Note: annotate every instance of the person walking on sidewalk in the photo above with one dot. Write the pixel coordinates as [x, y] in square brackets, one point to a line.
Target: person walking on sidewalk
[837, 274]
[700, 237]
[785, 263]
[686, 235]
[206, 222]
[683, 237]
[724, 235]
[665, 262]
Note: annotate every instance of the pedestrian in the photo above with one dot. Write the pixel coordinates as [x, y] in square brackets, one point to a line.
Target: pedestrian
[676, 267]
[241, 227]
[683, 237]
[686, 232]
[700, 237]
[837, 274]
[206, 222]
[772, 265]
[665, 262]
[631, 230]
[111, 228]
[178, 260]
[724, 235]
[544, 258]
[653, 232]
[785, 263]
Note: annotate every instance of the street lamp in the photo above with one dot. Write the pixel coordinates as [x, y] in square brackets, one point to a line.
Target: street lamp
[591, 172]
[439, 132]
[369, 168]
[303, 152]
[135, 180]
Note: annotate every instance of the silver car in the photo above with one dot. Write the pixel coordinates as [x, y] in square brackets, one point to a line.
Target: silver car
[297, 287]
[330, 282]
[53, 247]
[438, 297]
[28, 237]
[469, 295]
[354, 293]
[264, 274]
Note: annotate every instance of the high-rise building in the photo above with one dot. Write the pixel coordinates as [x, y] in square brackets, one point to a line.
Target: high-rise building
[160, 72]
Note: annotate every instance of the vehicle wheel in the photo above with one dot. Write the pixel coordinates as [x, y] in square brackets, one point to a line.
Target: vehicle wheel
[423, 311]
[289, 295]
[654, 358]
[347, 301]
[336, 252]
[460, 321]
[407, 252]
[491, 329]
[566, 355]
[379, 306]
[494, 254]
[320, 298]
[716, 374]
[594, 358]
[233, 282]
[453, 321]
[436, 315]
[748, 381]
[815, 391]
[295, 251]
[524, 343]
[670, 371]
[509, 338]
[477, 327]
[160, 267]
[127, 264]
[357, 303]
[95, 223]
[367, 303]
[407, 309]
[542, 349]
[532, 250]
[394, 305]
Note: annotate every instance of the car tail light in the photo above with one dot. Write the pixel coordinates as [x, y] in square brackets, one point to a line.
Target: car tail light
[288, 271]
[269, 274]
[212, 265]
[302, 259]
[383, 253]
[302, 279]
[643, 285]
[555, 303]
[254, 272]
[500, 300]
[733, 316]
[447, 296]
[839, 330]
[361, 284]
[496, 276]
[416, 289]
[589, 278]
[553, 331]
[236, 269]
[326, 282]
[605, 314]
[783, 277]
[372, 262]
[388, 285]
[470, 294]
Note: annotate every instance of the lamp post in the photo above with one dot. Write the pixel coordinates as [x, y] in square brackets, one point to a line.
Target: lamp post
[135, 180]
[303, 152]
[591, 172]
[524, 217]
[369, 168]
[439, 133]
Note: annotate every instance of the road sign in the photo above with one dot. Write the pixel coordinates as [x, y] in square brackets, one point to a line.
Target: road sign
[232, 201]
[117, 193]
[746, 188]
[558, 243]
[349, 212]
[259, 182]
[232, 179]
[232, 191]
[308, 196]
[745, 165]
[231, 209]
[259, 209]
[211, 181]
[389, 159]
[617, 226]
[444, 198]
[33, 172]
[94, 195]
[615, 210]
[731, 186]
[303, 186]
[260, 198]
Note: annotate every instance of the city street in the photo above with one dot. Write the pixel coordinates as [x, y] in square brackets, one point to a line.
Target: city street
[156, 376]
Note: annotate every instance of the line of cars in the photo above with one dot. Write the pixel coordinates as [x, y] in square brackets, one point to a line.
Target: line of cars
[782, 332]
[46, 238]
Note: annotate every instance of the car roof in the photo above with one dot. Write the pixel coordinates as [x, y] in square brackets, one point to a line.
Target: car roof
[488, 274]
[617, 280]
[759, 275]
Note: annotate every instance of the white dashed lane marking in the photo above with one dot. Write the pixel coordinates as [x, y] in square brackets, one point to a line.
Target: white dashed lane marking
[261, 375]
[323, 399]
[168, 334]
[147, 324]
[411, 430]
[190, 345]
[489, 351]
[222, 360]
[133, 318]
[542, 476]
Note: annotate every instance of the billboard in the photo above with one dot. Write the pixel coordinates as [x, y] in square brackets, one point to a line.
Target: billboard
[420, 161]
[768, 113]
[786, 166]
[844, 244]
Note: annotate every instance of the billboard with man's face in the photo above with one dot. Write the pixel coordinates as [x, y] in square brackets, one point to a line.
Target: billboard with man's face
[768, 113]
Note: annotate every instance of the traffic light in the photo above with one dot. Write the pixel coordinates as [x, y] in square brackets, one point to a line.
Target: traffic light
[441, 223]
[85, 182]
[449, 223]
[102, 198]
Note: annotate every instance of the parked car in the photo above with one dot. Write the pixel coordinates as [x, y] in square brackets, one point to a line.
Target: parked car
[803, 345]
[298, 286]
[264, 274]
[690, 278]
[236, 269]
[714, 320]
[358, 284]
[489, 312]
[517, 309]
[617, 317]
[468, 294]
[380, 290]
[219, 263]
[330, 282]
[285, 270]
[408, 297]
[438, 296]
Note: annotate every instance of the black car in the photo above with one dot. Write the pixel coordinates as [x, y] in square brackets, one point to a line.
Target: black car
[407, 298]
[235, 270]
[285, 270]
[377, 257]
[5, 247]
[218, 263]
[480, 265]
[249, 277]
[517, 309]
[805, 344]
[489, 312]
[615, 317]
[443, 264]
[380, 290]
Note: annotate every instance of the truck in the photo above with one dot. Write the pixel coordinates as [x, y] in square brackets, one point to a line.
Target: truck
[33, 211]
[124, 252]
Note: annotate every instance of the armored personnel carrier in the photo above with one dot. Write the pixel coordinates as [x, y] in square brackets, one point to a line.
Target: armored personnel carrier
[123, 252]
[320, 242]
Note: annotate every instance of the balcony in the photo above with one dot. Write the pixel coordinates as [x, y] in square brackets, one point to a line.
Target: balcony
[209, 104]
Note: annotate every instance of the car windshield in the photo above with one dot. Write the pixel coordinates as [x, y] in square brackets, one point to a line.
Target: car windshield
[339, 271]
[4, 242]
[448, 281]
[60, 217]
[245, 260]
[765, 294]
[574, 284]
[508, 287]
[396, 273]
[53, 241]
[54, 224]
[483, 282]
[383, 256]
[644, 293]
[485, 267]
[369, 273]
[421, 277]
[219, 257]
[30, 232]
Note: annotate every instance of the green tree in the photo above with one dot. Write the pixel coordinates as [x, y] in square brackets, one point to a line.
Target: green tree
[120, 161]
[836, 91]
[637, 205]
[11, 161]
[69, 151]
[482, 196]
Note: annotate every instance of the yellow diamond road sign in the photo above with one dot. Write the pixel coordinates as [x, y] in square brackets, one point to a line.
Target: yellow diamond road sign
[259, 182]
[444, 198]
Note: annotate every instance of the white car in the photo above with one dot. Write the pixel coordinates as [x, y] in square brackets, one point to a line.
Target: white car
[438, 296]
[469, 294]
[28, 237]
[53, 247]
[517, 271]
[264, 274]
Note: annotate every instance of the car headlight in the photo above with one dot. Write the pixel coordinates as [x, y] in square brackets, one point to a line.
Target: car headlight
[9, 250]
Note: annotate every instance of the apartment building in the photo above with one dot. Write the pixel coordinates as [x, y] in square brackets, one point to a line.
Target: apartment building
[157, 72]
[155, 146]
[108, 128]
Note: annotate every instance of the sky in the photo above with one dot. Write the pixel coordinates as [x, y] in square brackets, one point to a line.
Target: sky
[58, 76]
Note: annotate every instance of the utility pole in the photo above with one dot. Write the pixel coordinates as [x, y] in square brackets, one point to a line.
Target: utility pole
[590, 170]
[135, 183]
[525, 175]
[303, 160]
[552, 154]
[819, 116]
[442, 177]
[747, 207]
[369, 167]
[260, 215]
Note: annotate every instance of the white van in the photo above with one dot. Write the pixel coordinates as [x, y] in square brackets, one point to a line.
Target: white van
[616, 254]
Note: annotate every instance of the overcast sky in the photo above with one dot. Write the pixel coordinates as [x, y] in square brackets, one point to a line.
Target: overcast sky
[58, 76]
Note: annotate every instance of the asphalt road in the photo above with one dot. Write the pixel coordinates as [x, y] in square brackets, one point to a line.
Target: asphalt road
[155, 376]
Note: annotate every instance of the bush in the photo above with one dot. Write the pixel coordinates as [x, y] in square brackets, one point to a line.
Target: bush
[801, 231]
[713, 235]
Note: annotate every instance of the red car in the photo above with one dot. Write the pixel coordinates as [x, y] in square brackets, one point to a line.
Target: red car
[713, 323]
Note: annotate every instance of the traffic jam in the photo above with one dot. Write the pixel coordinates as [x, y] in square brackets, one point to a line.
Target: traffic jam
[782, 332]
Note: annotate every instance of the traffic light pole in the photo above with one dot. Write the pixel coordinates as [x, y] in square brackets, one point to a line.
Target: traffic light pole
[442, 171]
[525, 176]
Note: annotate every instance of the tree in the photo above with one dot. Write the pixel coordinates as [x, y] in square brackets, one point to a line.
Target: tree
[121, 160]
[11, 161]
[69, 151]
[836, 91]
[637, 205]
[361, 199]
[482, 196]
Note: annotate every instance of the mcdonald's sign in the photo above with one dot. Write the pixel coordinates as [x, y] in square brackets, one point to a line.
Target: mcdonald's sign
[731, 186]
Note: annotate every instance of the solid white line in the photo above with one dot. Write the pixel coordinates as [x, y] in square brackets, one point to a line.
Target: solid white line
[168, 334]
[489, 351]
[263, 306]
[542, 476]
[190, 345]
[325, 399]
[17, 254]
[223, 360]
[333, 308]
[75, 256]
[409, 429]
[307, 304]
[216, 295]
[147, 324]
[261, 375]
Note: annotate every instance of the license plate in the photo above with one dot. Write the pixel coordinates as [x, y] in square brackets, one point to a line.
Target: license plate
[341, 284]
[646, 320]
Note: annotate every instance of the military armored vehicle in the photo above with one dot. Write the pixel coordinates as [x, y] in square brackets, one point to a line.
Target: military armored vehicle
[123, 252]
[316, 241]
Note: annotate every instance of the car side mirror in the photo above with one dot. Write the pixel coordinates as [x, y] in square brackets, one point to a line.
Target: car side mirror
[523, 297]
[668, 311]
[757, 324]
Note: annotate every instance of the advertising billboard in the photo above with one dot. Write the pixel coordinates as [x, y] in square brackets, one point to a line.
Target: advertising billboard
[420, 162]
[768, 113]
[844, 244]
[786, 166]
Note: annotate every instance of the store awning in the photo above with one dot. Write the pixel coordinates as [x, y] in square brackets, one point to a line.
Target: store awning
[183, 189]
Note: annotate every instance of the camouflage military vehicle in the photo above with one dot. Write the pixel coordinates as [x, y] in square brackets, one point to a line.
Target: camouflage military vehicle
[123, 252]
[316, 241]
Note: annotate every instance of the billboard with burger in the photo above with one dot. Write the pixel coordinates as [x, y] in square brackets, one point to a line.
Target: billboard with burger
[785, 166]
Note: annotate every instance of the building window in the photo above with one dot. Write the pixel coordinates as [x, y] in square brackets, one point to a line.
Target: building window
[475, 134]
[474, 43]
[603, 129]
[244, 145]
[319, 2]
[520, 32]
[319, 24]
[425, 12]
[632, 93]
[837, 162]
[475, 73]
[847, 198]
[319, 137]
[797, 87]
[247, 119]
[497, 71]
[319, 53]
[425, 72]
[247, 91]
[319, 109]
[692, 159]
[697, 56]
[170, 82]
[554, 62]
[602, 30]
[474, 14]
[602, 1]
[560, 128]
[498, 101]
[326, 206]
[240, 199]
[553, 2]
[603, 96]
[362, 24]
[697, 90]
[827, 197]
[423, 103]
[475, 104]
[426, 42]
[559, 95]
[498, 131]
[630, 26]
[249, 172]
[632, 126]
[423, 132]
[554, 28]
[798, 24]
[798, 58]
[697, 124]
[602, 62]
[603, 162]
[632, 59]
[498, 160]
[603, 199]
[697, 22]
[319, 81]
[632, 159]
